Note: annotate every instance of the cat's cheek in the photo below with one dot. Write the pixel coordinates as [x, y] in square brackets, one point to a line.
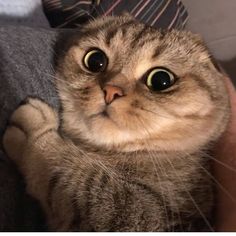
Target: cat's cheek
[196, 108]
[197, 104]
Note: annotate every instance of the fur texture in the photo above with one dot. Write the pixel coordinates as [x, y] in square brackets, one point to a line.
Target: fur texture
[138, 163]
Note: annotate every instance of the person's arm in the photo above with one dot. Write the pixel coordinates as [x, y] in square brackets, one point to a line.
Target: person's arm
[225, 171]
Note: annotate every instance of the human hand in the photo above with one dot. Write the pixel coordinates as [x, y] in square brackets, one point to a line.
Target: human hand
[225, 171]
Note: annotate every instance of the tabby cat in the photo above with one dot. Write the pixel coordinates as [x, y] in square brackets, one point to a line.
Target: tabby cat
[140, 109]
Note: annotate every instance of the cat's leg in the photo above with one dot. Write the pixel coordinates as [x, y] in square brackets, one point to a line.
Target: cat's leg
[28, 123]
[33, 143]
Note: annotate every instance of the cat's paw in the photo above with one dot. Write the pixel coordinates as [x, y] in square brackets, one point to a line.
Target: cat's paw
[30, 121]
[14, 141]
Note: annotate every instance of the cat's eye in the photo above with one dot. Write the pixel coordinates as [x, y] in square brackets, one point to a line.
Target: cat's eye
[95, 60]
[159, 79]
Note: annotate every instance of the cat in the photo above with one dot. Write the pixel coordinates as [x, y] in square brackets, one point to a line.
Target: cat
[128, 152]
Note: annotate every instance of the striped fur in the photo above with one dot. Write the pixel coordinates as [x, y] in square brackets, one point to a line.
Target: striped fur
[143, 166]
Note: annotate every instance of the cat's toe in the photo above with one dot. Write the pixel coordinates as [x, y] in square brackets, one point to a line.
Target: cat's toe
[49, 115]
[14, 141]
[34, 117]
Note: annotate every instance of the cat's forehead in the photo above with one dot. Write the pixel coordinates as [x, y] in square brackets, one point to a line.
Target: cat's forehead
[133, 34]
[140, 47]
[120, 34]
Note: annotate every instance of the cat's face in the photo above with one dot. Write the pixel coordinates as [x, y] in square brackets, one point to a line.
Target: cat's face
[128, 86]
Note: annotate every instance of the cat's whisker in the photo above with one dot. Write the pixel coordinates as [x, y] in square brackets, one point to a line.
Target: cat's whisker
[40, 73]
[156, 113]
[222, 163]
[218, 183]
[190, 196]
[136, 159]
[102, 9]
[55, 78]
[171, 194]
[161, 189]
[152, 156]
[212, 177]
[107, 169]
[110, 173]
[92, 17]
[171, 198]
[161, 115]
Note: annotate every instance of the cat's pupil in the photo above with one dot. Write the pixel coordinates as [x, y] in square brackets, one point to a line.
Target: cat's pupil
[161, 80]
[96, 61]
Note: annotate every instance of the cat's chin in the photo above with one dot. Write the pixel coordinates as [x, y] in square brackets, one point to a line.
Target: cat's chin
[123, 142]
[112, 131]
[106, 133]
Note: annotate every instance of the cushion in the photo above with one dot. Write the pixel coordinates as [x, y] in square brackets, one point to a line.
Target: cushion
[159, 13]
[23, 12]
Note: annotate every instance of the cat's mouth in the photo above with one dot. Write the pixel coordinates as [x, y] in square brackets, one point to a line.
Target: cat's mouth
[104, 113]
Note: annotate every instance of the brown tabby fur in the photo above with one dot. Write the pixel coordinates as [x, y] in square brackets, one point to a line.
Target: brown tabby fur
[141, 165]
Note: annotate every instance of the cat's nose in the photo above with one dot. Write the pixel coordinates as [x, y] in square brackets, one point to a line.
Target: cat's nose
[112, 92]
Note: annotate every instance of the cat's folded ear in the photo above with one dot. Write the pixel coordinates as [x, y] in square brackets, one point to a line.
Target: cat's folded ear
[216, 64]
[198, 39]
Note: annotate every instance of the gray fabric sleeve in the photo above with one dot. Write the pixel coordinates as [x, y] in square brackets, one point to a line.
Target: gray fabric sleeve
[25, 68]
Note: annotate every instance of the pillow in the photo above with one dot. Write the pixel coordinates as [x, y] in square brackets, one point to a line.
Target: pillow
[158, 13]
[23, 12]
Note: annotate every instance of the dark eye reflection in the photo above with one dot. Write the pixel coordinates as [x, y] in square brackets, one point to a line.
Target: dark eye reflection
[159, 79]
[95, 60]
